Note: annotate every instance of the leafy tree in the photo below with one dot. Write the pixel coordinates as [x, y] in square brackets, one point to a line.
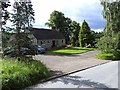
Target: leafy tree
[94, 37]
[111, 14]
[67, 29]
[111, 33]
[22, 19]
[75, 28]
[85, 34]
[60, 23]
[57, 21]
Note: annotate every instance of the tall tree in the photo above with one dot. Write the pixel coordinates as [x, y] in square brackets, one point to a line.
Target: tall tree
[4, 16]
[111, 13]
[67, 29]
[85, 34]
[22, 19]
[57, 21]
[75, 28]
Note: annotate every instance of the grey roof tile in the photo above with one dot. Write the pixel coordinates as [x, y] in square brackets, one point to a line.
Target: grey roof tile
[42, 34]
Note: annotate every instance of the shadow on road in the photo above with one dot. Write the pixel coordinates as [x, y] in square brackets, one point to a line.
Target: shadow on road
[79, 81]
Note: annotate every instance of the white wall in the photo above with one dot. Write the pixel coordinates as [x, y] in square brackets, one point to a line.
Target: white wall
[48, 43]
[34, 40]
[32, 37]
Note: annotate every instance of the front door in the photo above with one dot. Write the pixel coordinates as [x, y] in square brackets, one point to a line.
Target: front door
[53, 43]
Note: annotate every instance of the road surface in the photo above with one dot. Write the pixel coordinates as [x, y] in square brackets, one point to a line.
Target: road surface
[69, 63]
[102, 76]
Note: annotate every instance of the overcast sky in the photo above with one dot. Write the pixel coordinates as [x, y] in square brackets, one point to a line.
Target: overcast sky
[77, 10]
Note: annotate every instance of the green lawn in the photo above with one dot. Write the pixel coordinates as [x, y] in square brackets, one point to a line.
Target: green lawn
[69, 50]
[105, 56]
[108, 56]
[19, 74]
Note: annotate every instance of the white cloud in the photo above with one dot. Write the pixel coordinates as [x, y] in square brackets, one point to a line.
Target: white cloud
[77, 10]
[70, 8]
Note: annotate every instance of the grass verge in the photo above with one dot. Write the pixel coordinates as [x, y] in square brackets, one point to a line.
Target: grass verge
[107, 56]
[20, 74]
[69, 50]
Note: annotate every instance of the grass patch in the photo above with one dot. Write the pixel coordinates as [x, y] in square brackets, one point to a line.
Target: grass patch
[69, 50]
[108, 56]
[19, 74]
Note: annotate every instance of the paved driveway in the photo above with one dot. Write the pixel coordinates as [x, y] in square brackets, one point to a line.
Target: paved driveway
[69, 63]
[102, 76]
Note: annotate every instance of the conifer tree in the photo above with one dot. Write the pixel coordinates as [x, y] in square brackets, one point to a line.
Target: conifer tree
[22, 19]
[4, 16]
[84, 34]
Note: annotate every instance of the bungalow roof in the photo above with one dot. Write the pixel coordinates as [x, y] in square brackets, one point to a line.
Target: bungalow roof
[42, 34]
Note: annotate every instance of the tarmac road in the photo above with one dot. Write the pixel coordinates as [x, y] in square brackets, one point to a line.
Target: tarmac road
[101, 76]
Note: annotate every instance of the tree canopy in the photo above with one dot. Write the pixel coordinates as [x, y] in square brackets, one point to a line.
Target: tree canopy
[69, 28]
[57, 21]
[75, 28]
[21, 19]
[85, 34]
[111, 14]
[110, 42]
[4, 16]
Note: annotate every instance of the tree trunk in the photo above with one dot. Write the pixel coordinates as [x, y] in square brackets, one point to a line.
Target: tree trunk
[1, 53]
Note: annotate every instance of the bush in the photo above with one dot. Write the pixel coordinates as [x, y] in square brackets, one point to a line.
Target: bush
[117, 54]
[105, 44]
[20, 74]
[110, 47]
[109, 43]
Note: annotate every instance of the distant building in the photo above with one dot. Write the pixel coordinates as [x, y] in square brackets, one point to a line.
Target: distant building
[44, 37]
[47, 38]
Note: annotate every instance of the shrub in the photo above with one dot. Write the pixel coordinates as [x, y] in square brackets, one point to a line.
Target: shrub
[117, 54]
[109, 44]
[19, 74]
